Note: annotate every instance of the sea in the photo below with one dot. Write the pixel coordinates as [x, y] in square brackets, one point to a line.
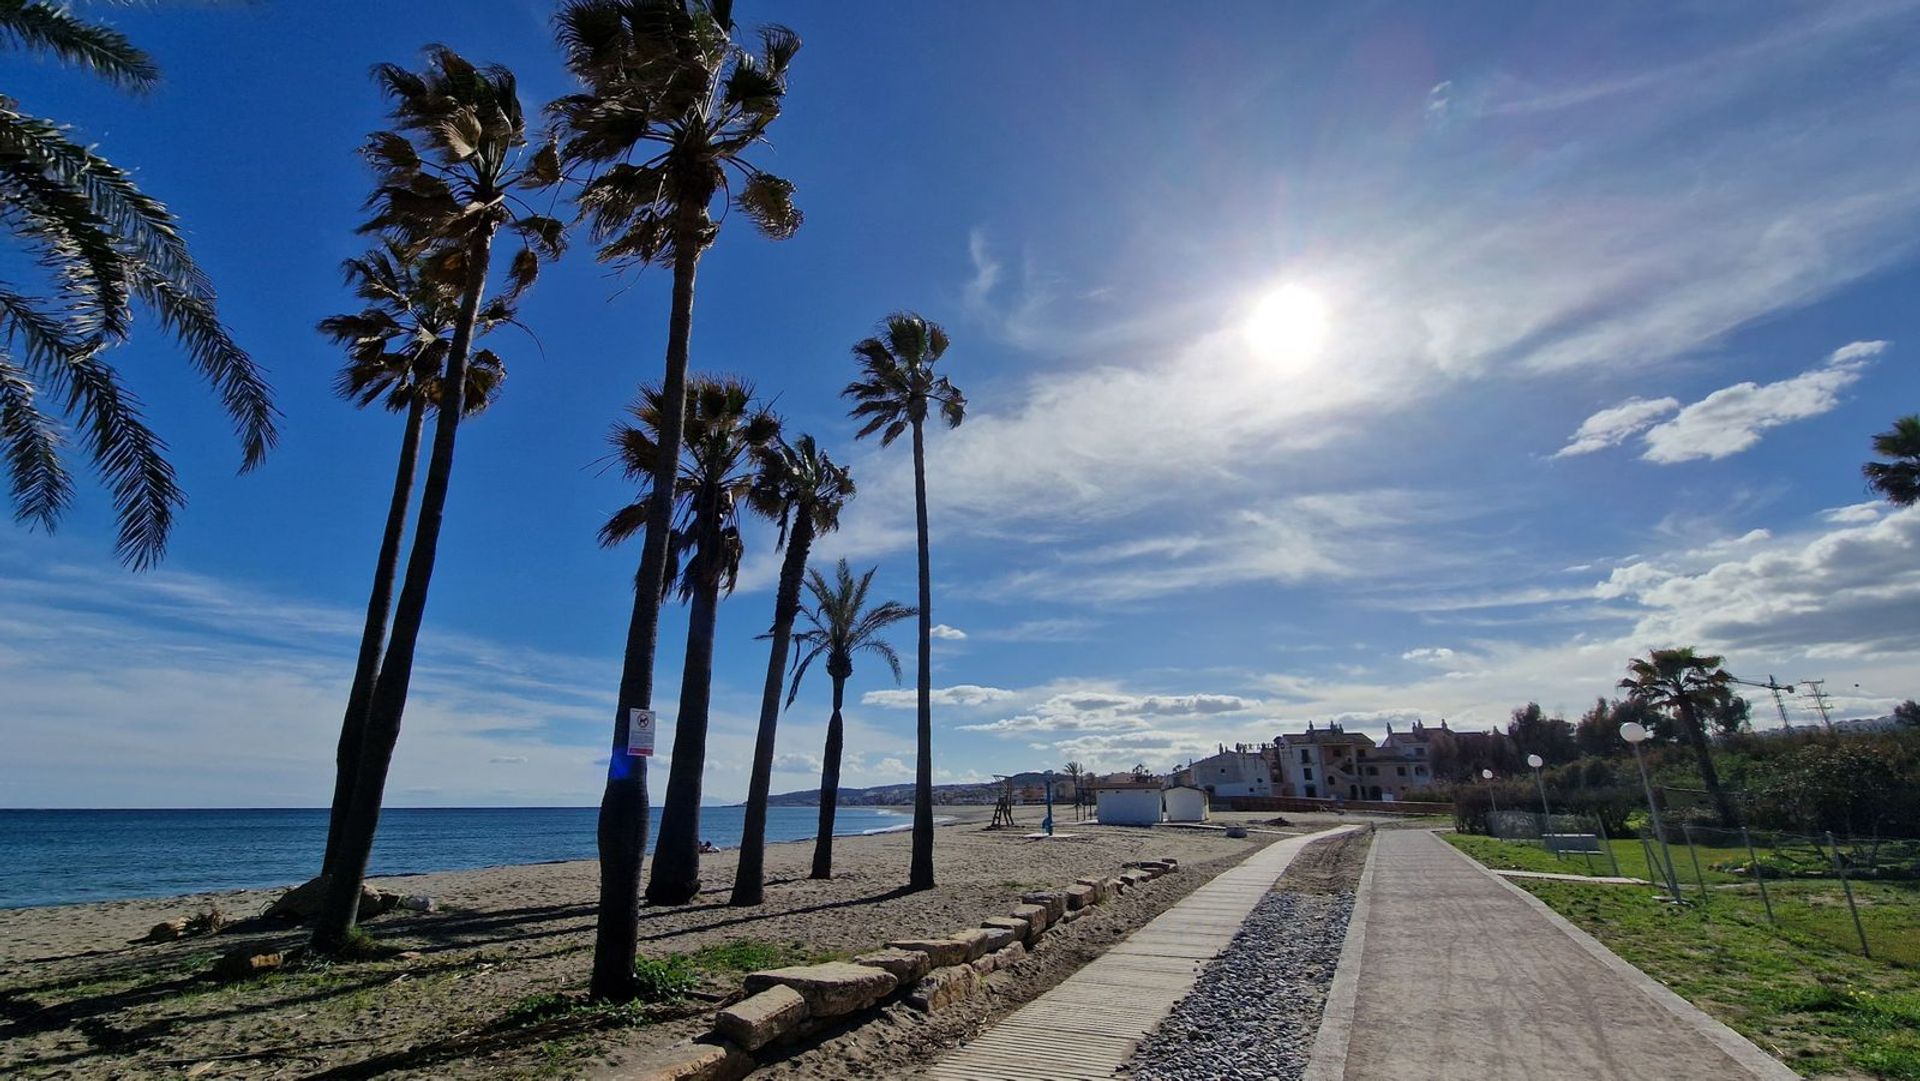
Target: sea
[72, 856]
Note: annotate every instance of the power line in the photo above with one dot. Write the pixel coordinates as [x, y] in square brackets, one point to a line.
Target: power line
[1819, 700]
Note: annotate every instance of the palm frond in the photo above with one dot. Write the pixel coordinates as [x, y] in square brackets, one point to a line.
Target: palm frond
[30, 442]
[53, 29]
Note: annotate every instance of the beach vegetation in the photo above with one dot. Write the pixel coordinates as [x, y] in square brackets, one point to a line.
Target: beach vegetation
[896, 391]
[671, 106]
[1897, 478]
[840, 623]
[800, 488]
[105, 249]
[1687, 687]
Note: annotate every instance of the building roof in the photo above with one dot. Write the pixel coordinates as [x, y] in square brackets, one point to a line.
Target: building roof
[1327, 736]
[1125, 785]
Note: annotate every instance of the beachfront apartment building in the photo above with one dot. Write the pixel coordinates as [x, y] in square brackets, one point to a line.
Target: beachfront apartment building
[1332, 763]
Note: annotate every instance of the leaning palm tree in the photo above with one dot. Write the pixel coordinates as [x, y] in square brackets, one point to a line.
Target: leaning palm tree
[840, 625]
[801, 488]
[447, 181]
[104, 244]
[724, 431]
[1688, 686]
[1899, 479]
[896, 389]
[671, 106]
[396, 349]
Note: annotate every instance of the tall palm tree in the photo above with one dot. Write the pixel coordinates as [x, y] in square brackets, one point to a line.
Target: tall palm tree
[671, 106]
[396, 349]
[447, 181]
[840, 625]
[724, 432]
[1688, 686]
[801, 488]
[896, 389]
[103, 244]
[1899, 479]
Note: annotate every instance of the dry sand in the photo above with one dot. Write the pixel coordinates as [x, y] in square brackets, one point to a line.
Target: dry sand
[77, 1001]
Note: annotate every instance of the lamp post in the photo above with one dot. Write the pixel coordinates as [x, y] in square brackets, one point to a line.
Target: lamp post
[1546, 816]
[1487, 776]
[1048, 823]
[1635, 734]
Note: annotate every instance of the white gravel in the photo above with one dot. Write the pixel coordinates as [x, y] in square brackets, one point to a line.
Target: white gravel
[1254, 1012]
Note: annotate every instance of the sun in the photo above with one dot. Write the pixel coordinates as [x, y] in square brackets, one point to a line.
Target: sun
[1287, 326]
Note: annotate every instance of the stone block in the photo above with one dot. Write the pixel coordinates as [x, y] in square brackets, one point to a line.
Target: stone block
[1135, 878]
[907, 966]
[704, 1060]
[1097, 885]
[999, 936]
[1054, 900]
[758, 1020]
[832, 989]
[1115, 887]
[1022, 929]
[982, 966]
[943, 987]
[1075, 913]
[1079, 896]
[1037, 916]
[979, 941]
[941, 952]
[1008, 955]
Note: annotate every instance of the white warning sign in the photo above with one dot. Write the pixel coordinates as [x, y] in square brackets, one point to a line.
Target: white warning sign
[640, 728]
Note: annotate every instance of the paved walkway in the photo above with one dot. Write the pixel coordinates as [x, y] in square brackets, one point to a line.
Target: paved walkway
[1088, 1025]
[1464, 976]
[1591, 880]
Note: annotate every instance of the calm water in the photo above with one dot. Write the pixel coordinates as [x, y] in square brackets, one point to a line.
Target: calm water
[63, 857]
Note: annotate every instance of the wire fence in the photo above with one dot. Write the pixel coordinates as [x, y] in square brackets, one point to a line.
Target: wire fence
[1857, 894]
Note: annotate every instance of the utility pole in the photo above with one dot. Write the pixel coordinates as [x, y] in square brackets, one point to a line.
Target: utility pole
[1776, 687]
[1819, 701]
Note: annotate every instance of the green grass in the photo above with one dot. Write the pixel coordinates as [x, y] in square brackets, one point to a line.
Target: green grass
[1529, 856]
[1800, 990]
[748, 955]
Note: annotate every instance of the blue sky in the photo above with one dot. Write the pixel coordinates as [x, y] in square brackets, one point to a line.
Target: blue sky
[1602, 307]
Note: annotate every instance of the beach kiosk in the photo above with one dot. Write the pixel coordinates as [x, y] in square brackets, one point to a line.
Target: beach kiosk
[1127, 803]
[1186, 803]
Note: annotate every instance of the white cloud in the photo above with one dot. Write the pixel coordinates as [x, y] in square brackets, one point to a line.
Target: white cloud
[1854, 513]
[792, 762]
[1612, 426]
[1057, 629]
[1429, 655]
[1731, 419]
[960, 694]
[946, 633]
[1102, 710]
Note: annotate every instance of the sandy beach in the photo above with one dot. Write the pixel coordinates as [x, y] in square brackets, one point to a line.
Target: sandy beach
[76, 999]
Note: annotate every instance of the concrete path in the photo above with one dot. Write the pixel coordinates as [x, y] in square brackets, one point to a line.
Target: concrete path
[1591, 880]
[1464, 976]
[1088, 1025]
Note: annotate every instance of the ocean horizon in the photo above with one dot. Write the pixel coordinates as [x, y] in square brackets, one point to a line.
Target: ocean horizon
[77, 855]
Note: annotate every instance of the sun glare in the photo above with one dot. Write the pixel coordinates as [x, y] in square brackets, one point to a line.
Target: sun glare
[1287, 326]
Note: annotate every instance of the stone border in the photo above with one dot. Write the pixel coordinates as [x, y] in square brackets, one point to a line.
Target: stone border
[1328, 1060]
[1737, 1047]
[929, 974]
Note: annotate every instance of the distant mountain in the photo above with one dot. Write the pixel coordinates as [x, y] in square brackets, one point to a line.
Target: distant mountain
[898, 795]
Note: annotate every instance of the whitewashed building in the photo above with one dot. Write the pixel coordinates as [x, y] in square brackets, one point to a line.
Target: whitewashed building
[1186, 803]
[1127, 803]
[1235, 771]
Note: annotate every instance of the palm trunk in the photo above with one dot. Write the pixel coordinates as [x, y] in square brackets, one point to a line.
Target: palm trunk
[373, 638]
[622, 831]
[750, 873]
[676, 852]
[920, 874]
[1703, 758]
[829, 787]
[333, 927]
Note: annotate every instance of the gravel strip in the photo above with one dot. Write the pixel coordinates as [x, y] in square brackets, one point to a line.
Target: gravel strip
[1254, 1012]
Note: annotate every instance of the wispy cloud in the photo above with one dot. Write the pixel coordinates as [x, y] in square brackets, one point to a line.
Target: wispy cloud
[1732, 419]
[1614, 425]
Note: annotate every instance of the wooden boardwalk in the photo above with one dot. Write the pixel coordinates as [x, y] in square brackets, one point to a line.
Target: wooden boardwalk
[1088, 1025]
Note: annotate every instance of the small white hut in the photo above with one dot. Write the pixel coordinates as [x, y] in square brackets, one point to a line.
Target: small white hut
[1127, 803]
[1186, 803]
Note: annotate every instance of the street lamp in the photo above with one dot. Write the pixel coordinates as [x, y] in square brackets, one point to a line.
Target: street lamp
[1635, 734]
[1546, 816]
[1487, 776]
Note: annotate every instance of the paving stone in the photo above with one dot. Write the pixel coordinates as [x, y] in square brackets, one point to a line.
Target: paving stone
[943, 987]
[832, 989]
[758, 1020]
[1079, 896]
[907, 966]
[1054, 900]
[940, 952]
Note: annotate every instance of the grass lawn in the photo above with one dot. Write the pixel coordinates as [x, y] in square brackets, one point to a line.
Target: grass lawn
[1801, 990]
[1528, 856]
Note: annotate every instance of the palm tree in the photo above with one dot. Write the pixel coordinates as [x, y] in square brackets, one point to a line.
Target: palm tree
[1687, 686]
[103, 244]
[1899, 479]
[671, 107]
[897, 387]
[799, 486]
[841, 625]
[724, 433]
[396, 348]
[447, 204]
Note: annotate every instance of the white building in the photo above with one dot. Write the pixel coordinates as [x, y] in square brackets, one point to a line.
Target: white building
[1239, 771]
[1127, 803]
[1185, 803]
[1321, 763]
